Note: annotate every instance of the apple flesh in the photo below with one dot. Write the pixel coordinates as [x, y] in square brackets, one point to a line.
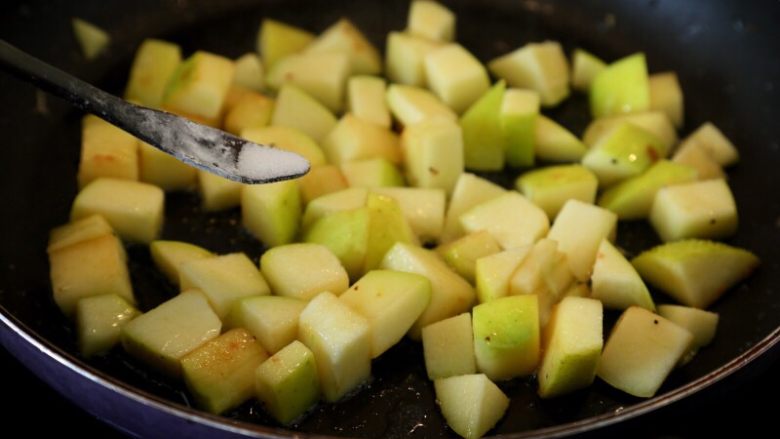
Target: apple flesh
[249, 72]
[555, 143]
[700, 209]
[99, 322]
[169, 256]
[372, 173]
[518, 115]
[493, 273]
[550, 187]
[456, 76]
[715, 143]
[272, 211]
[323, 75]
[510, 218]
[346, 199]
[198, 87]
[585, 67]
[218, 193]
[344, 37]
[296, 109]
[90, 227]
[469, 191]
[423, 209]
[404, 58]
[656, 123]
[471, 404]
[616, 283]
[106, 151]
[541, 67]
[666, 95]
[431, 20]
[433, 154]
[622, 87]
[303, 270]
[321, 180]
[448, 347]
[694, 155]
[164, 170]
[624, 152]
[277, 40]
[287, 383]
[463, 253]
[288, 139]
[154, 63]
[366, 99]
[356, 139]
[483, 136]
[272, 320]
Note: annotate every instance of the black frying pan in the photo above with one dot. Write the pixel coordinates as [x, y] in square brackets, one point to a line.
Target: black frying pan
[725, 54]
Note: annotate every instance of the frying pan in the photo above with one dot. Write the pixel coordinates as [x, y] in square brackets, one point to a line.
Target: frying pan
[725, 54]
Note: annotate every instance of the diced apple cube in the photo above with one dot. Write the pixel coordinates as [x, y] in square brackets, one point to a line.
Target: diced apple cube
[471, 404]
[469, 191]
[463, 253]
[616, 283]
[134, 209]
[412, 105]
[355, 139]
[585, 67]
[624, 152]
[550, 188]
[321, 180]
[288, 139]
[169, 256]
[702, 324]
[272, 211]
[695, 272]
[221, 373]
[701, 209]
[303, 270]
[164, 170]
[554, 143]
[539, 66]
[572, 347]
[712, 140]
[695, 156]
[249, 72]
[656, 123]
[456, 76]
[366, 99]
[450, 294]
[323, 75]
[106, 151]
[346, 234]
[344, 37]
[92, 39]
[510, 218]
[493, 273]
[99, 322]
[296, 109]
[641, 351]
[519, 112]
[387, 226]
[218, 193]
[433, 154]
[273, 320]
[87, 228]
[431, 20]
[154, 63]
[579, 229]
[422, 208]
[162, 336]
[340, 339]
[622, 87]
[198, 87]
[372, 173]
[252, 110]
[506, 336]
[277, 40]
[391, 301]
[339, 201]
[448, 346]
[484, 139]
[404, 58]
[223, 280]
[287, 383]
[666, 95]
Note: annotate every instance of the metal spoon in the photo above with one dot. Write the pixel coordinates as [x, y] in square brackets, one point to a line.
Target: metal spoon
[198, 145]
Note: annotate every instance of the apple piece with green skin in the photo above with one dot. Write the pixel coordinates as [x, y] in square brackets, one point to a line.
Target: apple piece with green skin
[339, 201]
[483, 136]
[366, 99]
[622, 87]
[252, 110]
[198, 87]
[303, 270]
[218, 193]
[288, 139]
[572, 346]
[695, 272]
[162, 336]
[92, 39]
[90, 227]
[89, 268]
[287, 383]
[391, 301]
[220, 374]
[450, 294]
[463, 253]
[700, 209]
[469, 191]
[345, 233]
[541, 67]
[153, 65]
[702, 324]
[510, 218]
[411, 105]
[431, 20]
[321, 180]
[666, 95]
[272, 211]
[164, 170]
[493, 273]
[579, 229]
[555, 143]
[340, 339]
[249, 72]
[456, 76]
[106, 151]
[134, 209]
[277, 40]
[692, 154]
[518, 114]
[372, 173]
[404, 56]
[633, 198]
[715, 143]
[323, 75]
[387, 226]
[273, 320]
[223, 280]
[423, 209]
[99, 322]
[448, 347]
[585, 67]
[641, 351]
[296, 109]
[654, 122]
[169, 256]
[624, 152]
[433, 154]
[471, 404]
[356, 139]
[550, 187]
[616, 283]
[344, 37]
[506, 336]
